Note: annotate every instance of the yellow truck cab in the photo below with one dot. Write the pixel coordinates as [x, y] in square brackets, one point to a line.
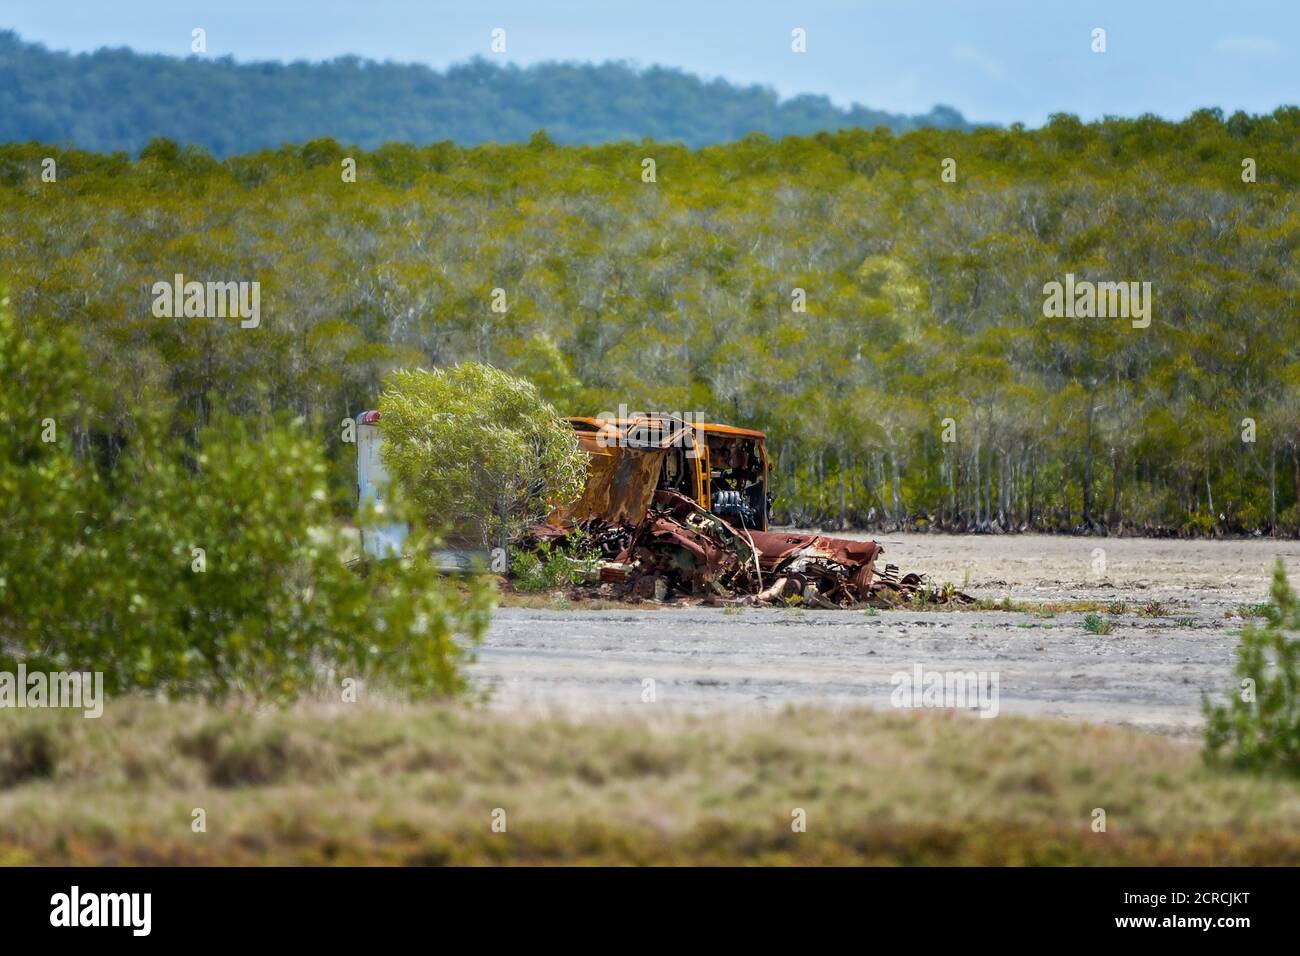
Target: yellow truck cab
[722, 468]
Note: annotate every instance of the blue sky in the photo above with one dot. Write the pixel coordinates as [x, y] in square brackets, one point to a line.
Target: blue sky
[995, 60]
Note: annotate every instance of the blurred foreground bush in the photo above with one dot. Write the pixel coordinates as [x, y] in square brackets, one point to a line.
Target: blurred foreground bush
[203, 570]
[1260, 727]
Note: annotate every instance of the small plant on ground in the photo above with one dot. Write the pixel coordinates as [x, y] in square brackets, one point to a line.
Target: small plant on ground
[1096, 624]
[1248, 611]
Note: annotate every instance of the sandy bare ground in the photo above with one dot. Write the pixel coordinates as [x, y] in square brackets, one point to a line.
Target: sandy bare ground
[1149, 672]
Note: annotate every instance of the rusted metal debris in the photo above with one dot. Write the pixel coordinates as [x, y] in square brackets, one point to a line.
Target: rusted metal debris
[680, 509]
[680, 550]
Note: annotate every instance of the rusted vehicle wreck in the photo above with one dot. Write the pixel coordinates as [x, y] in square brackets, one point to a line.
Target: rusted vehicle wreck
[681, 508]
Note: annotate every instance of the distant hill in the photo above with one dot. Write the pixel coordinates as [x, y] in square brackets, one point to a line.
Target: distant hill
[116, 99]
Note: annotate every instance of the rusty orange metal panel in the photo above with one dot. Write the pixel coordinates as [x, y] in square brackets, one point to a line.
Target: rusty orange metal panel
[620, 484]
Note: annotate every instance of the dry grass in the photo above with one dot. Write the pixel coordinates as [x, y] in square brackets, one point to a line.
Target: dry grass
[418, 785]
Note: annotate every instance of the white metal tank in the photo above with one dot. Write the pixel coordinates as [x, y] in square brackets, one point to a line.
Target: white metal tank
[380, 540]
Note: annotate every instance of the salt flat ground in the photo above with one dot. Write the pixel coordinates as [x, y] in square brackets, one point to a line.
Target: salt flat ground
[1148, 672]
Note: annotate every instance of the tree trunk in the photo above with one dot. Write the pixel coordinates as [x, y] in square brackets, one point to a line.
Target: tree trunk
[1087, 470]
[821, 481]
[1272, 489]
[954, 466]
[843, 498]
[880, 485]
[1033, 491]
[1114, 517]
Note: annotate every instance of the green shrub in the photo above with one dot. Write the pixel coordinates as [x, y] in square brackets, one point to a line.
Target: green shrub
[1199, 525]
[550, 566]
[1259, 728]
[477, 450]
